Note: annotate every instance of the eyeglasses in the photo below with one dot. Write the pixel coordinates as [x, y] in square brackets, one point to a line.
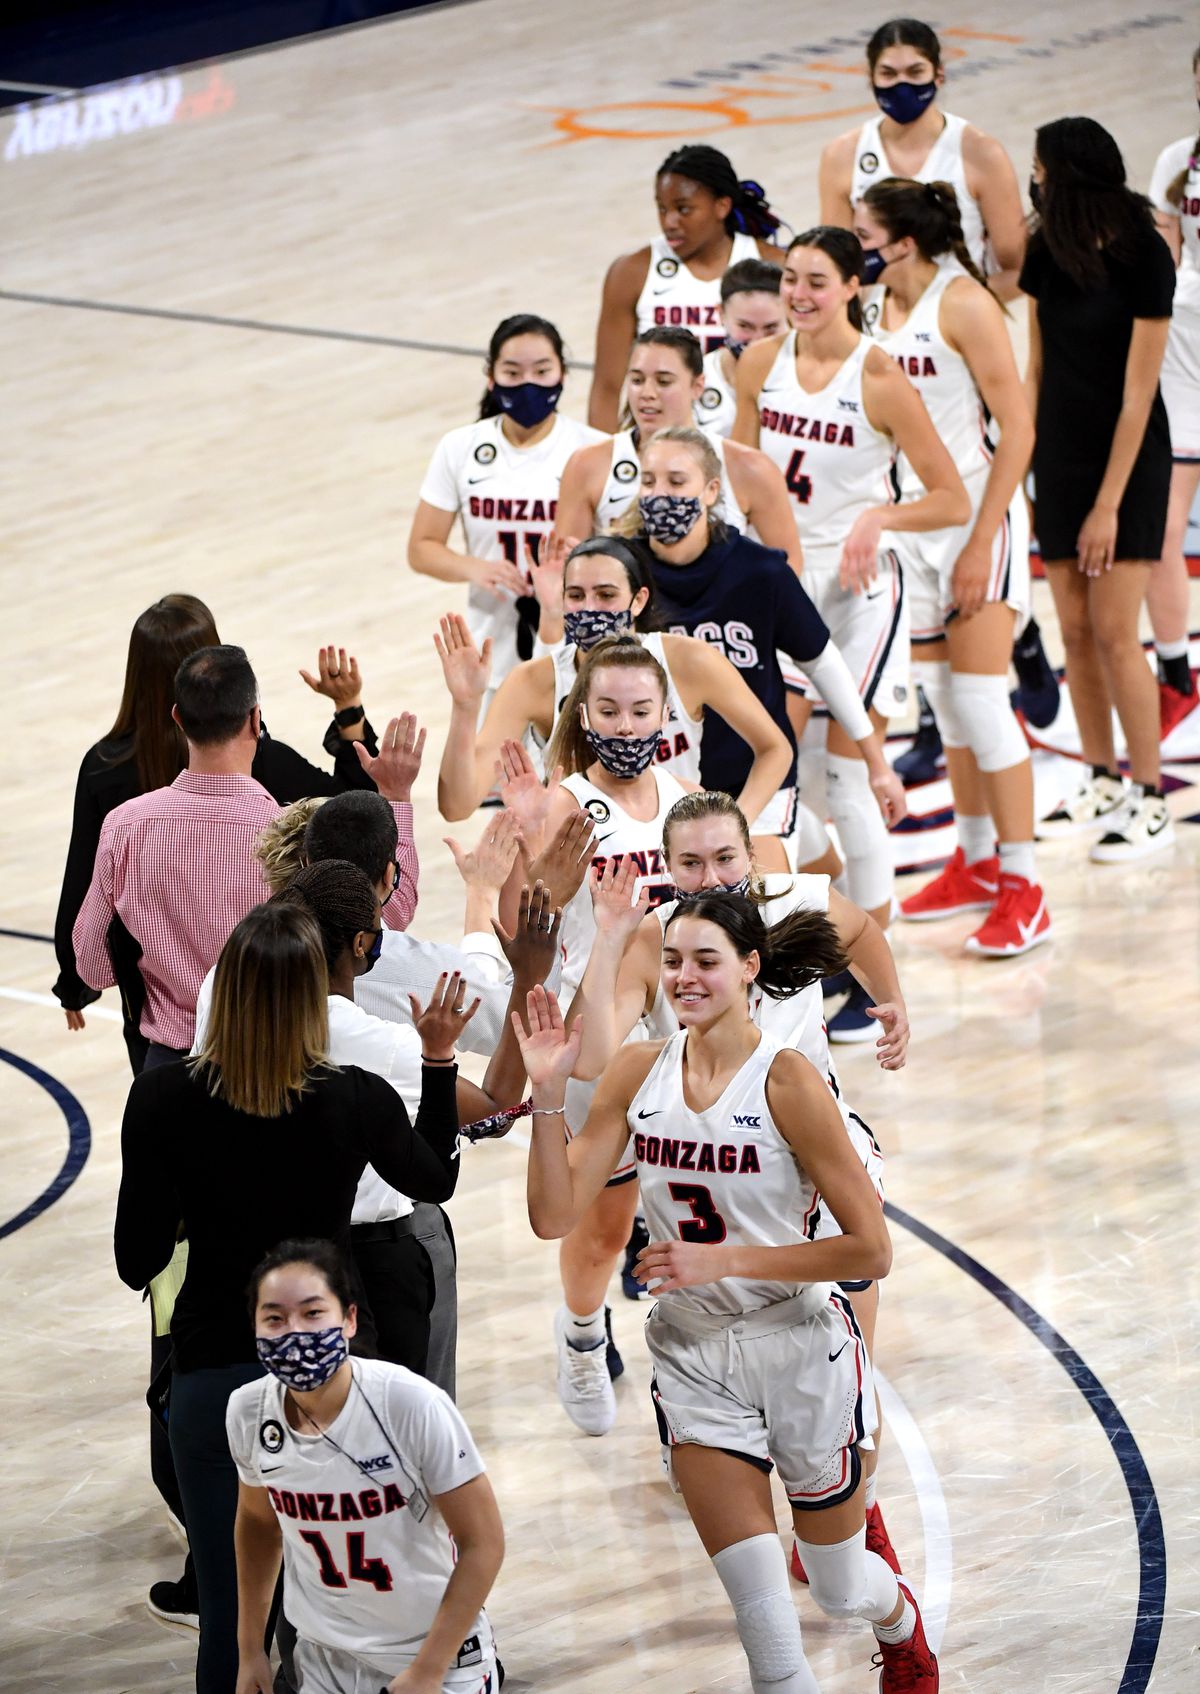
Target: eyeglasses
[395, 884]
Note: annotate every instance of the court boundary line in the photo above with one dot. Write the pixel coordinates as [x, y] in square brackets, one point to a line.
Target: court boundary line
[1135, 1473]
[79, 1141]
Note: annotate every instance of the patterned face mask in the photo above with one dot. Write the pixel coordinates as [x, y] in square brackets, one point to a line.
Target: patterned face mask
[585, 628]
[624, 755]
[669, 517]
[305, 1359]
[686, 898]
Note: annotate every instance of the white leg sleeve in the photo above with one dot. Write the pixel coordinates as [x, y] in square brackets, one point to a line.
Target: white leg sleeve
[755, 1576]
[934, 679]
[861, 830]
[990, 730]
[810, 771]
[848, 1582]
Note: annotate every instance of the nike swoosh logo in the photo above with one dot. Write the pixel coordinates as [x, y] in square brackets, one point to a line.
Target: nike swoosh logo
[269, 1470]
[771, 387]
[1157, 828]
[839, 1352]
[472, 480]
[657, 1114]
[874, 596]
[1027, 929]
[657, 291]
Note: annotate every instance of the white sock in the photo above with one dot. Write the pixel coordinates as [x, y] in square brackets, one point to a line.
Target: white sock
[1171, 649]
[1017, 859]
[976, 837]
[895, 1633]
[587, 1332]
[869, 1491]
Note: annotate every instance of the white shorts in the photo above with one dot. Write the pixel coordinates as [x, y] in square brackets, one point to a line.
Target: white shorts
[870, 630]
[778, 816]
[928, 561]
[867, 1148]
[1179, 380]
[799, 1395]
[325, 1670]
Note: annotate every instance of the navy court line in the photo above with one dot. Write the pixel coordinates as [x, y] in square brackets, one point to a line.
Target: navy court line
[26, 935]
[79, 1141]
[1147, 1518]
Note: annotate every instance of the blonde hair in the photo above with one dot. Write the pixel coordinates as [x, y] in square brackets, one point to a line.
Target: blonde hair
[712, 803]
[268, 1026]
[568, 744]
[630, 525]
[279, 848]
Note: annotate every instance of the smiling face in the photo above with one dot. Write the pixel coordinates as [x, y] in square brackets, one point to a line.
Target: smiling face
[814, 292]
[753, 316]
[690, 217]
[624, 700]
[707, 853]
[295, 1299]
[703, 976]
[661, 389]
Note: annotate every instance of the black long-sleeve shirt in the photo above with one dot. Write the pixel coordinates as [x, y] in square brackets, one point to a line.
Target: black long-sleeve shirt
[239, 1184]
[107, 778]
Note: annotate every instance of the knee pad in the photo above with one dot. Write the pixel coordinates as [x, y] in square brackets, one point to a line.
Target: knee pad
[810, 773]
[991, 731]
[861, 830]
[809, 839]
[755, 1576]
[933, 678]
[848, 1582]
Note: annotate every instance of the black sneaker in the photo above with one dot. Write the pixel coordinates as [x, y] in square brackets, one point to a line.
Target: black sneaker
[1036, 694]
[613, 1359]
[176, 1603]
[639, 1237]
[923, 758]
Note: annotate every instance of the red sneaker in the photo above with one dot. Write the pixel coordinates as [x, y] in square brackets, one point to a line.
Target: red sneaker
[909, 1667]
[959, 888]
[798, 1570]
[878, 1539]
[1173, 706]
[1018, 921]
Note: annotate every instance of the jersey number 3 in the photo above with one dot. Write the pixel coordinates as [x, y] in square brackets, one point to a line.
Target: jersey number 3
[706, 1223]
[361, 1568]
[798, 485]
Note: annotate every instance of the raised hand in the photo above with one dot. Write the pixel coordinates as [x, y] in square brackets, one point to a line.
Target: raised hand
[533, 947]
[546, 572]
[401, 747]
[467, 670]
[563, 862]
[488, 863]
[442, 1021]
[522, 790]
[549, 1052]
[337, 678]
[617, 911]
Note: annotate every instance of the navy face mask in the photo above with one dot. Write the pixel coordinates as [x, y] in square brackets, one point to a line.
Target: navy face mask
[585, 628]
[304, 1359]
[374, 950]
[905, 101]
[527, 403]
[737, 348]
[873, 266]
[623, 755]
[669, 517]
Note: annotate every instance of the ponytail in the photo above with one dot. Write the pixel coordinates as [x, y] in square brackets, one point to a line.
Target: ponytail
[568, 743]
[845, 249]
[749, 213]
[794, 954]
[929, 213]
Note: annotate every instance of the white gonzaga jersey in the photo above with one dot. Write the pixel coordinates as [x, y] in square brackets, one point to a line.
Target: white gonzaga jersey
[942, 377]
[944, 164]
[618, 837]
[717, 406]
[1179, 156]
[507, 500]
[679, 749]
[722, 1175]
[621, 489]
[673, 298]
[834, 462]
[366, 1553]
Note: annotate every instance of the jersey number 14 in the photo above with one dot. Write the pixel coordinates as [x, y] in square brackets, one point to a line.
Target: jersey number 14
[361, 1568]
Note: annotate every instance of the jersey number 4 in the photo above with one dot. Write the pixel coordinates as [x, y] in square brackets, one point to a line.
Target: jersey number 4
[361, 1568]
[706, 1223]
[799, 486]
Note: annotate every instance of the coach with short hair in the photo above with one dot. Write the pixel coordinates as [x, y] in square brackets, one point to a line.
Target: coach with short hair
[177, 865]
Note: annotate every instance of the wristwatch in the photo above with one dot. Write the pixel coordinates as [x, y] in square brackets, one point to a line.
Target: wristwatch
[349, 716]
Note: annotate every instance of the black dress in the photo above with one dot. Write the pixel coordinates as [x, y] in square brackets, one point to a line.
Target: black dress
[1085, 346]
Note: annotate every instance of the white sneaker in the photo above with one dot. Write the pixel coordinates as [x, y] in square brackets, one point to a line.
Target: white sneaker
[1091, 803]
[584, 1385]
[1140, 825]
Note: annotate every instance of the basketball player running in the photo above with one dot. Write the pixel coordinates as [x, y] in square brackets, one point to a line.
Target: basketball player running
[751, 311]
[500, 477]
[1175, 193]
[833, 411]
[966, 586]
[367, 1480]
[757, 1357]
[665, 386]
[709, 220]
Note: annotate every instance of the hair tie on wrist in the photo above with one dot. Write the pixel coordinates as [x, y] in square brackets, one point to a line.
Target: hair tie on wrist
[499, 1123]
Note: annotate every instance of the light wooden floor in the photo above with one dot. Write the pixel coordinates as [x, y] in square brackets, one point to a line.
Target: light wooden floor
[409, 181]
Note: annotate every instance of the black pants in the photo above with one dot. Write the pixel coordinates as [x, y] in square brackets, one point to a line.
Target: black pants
[157, 1054]
[162, 1465]
[398, 1286]
[432, 1229]
[208, 1482]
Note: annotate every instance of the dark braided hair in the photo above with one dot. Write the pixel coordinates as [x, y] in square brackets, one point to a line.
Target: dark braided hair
[749, 213]
[845, 249]
[927, 211]
[339, 896]
[521, 323]
[1087, 209]
[793, 954]
[1178, 182]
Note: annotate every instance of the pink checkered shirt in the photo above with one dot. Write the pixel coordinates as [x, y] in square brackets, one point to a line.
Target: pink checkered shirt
[177, 868]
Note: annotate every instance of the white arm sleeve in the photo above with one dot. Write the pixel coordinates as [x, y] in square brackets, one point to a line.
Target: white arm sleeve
[830, 675]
